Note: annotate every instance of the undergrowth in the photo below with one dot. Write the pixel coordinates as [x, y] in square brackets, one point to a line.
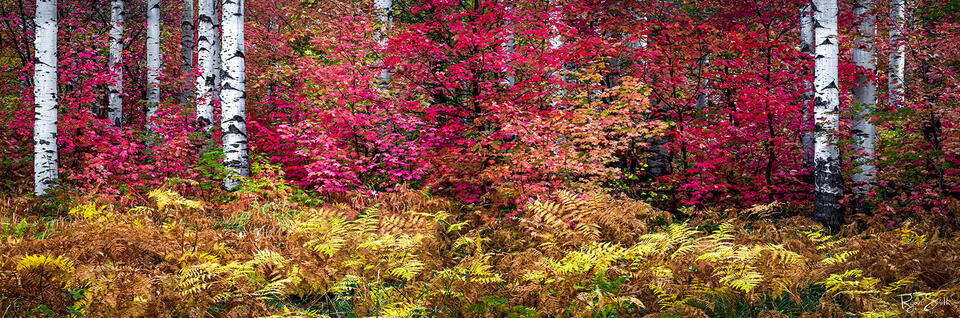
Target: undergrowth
[271, 251]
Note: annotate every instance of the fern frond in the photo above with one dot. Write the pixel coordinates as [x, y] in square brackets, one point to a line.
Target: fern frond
[839, 257]
[909, 236]
[88, 211]
[408, 269]
[167, 198]
[47, 267]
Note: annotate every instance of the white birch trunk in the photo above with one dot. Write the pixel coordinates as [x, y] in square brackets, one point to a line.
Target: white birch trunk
[153, 59]
[863, 131]
[383, 9]
[897, 59]
[807, 48]
[217, 59]
[555, 14]
[208, 34]
[115, 99]
[826, 109]
[45, 98]
[186, 51]
[233, 94]
[556, 10]
[508, 47]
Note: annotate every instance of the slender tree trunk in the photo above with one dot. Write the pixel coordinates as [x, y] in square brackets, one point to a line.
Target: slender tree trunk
[897, 58]
[153, 59]
[807, 48]
[272, 86]
[186, 51]
[208, 34]
[658, 154]
[217, 59]
[45, 98]
[383, 8]
[826, 108]
[701, 96]
[115, 105]
[508, 45]
[556, 12]
[864, 132]
[233, 125]
[658, 160]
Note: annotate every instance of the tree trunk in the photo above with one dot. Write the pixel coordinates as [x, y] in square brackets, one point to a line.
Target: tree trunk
[383, 8]
[208, 33]
[826, 107]
[863, 131]
[701, 96]
[217, 59]
[807, 48]
[153, 60]
[115, 105]
[658, 154]
[233, 124]
[45, 98]
[897, 59]
[186, 51]
[555, 14]
[508, 46]
[658, 158]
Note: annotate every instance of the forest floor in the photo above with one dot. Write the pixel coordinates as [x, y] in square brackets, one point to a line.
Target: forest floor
[266, 251]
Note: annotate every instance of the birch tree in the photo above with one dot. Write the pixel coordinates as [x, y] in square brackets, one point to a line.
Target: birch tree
[233, 94]
[807, 48]
[826, 108]
[556, 42]
[383, 9]
[153, 59]
[897, 60]
[208, 35]
[186, 51]
[555, 14]
[863, 131]
[115, 99]
[508, 45]
[45, 98]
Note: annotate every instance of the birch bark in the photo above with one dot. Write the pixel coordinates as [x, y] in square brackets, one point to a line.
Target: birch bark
[897, 60]
[153, 59]
[826, 103]
[863, 131]
[186, 51]
[807, 48]
[45, 98]
[115, 98]
[233, 94]
[383, 9]
[208, 34]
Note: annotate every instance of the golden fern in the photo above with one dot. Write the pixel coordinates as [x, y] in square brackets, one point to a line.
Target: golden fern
[326, 236]
[167, 198]
[57, 269]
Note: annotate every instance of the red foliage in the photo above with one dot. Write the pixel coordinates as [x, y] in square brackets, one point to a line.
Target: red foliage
[577, 114]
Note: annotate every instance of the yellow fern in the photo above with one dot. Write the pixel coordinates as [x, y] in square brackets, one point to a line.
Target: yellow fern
[58, 269]
[167, 198]
[909, 236]
[89, 211]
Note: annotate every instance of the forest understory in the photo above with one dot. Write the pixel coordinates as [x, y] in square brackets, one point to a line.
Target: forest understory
[266, 250]
[479, 158]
